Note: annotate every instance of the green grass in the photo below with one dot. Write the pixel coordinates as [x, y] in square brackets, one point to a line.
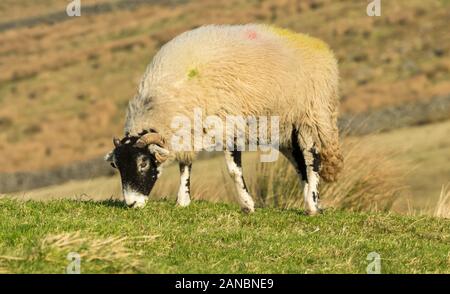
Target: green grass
[213, 238]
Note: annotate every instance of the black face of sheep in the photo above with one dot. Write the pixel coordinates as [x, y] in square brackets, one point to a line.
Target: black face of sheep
[138, 160]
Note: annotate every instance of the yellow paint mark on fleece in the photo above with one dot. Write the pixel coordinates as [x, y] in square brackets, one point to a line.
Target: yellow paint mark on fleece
[300, 40]
[193, 73]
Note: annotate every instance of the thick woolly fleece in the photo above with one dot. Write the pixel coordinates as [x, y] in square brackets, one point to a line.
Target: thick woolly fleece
[247, 70]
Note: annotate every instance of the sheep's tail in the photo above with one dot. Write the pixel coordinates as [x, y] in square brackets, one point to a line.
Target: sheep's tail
[326, 138]
[332, 163]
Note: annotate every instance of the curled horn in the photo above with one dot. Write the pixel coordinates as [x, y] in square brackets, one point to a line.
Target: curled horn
[161, 154]
[150, 138]
[154, 138]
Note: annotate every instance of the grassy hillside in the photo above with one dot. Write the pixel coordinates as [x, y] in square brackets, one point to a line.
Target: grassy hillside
[214, 238]
[64, 86]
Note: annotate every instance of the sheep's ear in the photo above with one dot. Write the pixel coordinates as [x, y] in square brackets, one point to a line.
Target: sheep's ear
[109, 157]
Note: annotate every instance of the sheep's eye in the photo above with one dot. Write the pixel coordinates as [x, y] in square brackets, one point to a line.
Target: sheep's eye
[113, 165]
[143, 164]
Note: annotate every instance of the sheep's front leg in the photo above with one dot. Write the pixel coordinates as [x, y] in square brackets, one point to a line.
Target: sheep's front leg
[184, 198]
[234, 164]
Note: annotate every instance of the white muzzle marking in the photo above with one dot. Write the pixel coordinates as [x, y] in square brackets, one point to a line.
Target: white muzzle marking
[134, 199]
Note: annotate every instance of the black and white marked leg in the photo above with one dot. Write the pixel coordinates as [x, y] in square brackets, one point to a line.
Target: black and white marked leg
[234, 164]
[311, 193]
[306, 166]
[184, 198]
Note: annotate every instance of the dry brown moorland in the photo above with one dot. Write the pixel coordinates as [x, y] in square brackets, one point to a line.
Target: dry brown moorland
[64, 85]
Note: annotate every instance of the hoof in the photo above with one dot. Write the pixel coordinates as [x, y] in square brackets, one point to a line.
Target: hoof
[183, 203]
[247, 210]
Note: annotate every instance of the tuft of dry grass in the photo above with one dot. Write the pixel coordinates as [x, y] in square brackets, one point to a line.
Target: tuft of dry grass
[110, 251]
[112, 254]
[5, 259]
[370, 181]
[442, 208]
[275, 184]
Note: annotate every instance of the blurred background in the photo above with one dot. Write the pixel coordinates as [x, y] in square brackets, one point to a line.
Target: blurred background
[65, 83]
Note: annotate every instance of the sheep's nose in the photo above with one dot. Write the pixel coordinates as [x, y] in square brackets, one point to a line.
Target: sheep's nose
[134, 199]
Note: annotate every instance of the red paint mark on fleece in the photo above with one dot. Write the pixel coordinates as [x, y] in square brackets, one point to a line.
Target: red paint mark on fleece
[251, 35]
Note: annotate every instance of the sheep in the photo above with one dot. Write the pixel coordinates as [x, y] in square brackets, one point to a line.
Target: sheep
[241, 70]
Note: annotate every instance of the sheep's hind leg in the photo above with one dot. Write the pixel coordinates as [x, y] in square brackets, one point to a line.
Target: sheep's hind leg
[312, 161]
[312, 169]
[307, 162]
[234, 164]
[184, 198]
[295, 155]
